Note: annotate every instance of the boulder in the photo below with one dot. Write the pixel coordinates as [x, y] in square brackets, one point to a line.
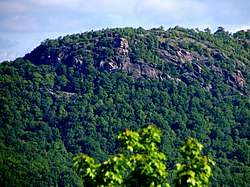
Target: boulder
[238, 78]
[185, 56]
[122, 46]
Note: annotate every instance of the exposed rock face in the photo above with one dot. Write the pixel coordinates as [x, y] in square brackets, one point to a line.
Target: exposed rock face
[123, 62]
[140, 69]
[185, 56]
[238, 78]
[122, 45]
[114, 54]
[170, 58]
[197, 68]
[181, 57]
[176, 80]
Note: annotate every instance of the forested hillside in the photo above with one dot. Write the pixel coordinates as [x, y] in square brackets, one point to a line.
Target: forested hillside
[74, 94]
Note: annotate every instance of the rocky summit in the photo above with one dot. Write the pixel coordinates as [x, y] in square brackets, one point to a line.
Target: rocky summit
[148, 53]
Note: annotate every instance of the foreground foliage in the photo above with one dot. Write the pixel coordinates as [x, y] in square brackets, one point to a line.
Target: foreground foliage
[143, 165]
[194, 171]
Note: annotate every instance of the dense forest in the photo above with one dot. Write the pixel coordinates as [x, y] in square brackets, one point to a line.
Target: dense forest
[73, 94]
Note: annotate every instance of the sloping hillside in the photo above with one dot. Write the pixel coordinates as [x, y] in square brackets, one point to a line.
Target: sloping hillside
[177, 54]
[73, 94]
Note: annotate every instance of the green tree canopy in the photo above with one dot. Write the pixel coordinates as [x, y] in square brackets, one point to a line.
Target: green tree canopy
[142, 165]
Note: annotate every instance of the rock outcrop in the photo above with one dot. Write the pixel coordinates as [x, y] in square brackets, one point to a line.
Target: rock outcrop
[185, 56]
[238, 78]
[168, 57]
[122, 46]
[122, 62]
[197, 67]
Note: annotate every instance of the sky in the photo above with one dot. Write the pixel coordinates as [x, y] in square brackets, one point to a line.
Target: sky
[24, 24]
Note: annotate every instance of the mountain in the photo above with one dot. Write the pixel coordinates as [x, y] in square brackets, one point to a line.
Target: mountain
[73, 94]
[155, 54]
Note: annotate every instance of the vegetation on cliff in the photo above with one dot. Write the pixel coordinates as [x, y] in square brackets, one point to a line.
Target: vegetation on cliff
[73, 94]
